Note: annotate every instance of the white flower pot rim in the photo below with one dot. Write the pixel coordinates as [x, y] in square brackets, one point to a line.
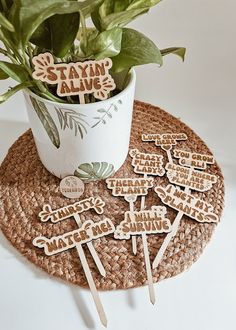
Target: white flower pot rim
[88, 105]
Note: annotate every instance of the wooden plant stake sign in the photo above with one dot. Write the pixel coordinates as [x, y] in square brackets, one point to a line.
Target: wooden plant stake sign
[142, 223]
[195, 208]
[79, 78]
[130, 189]
[195, 160]
[165, 141]
[190, 178]
[147, 164]
[85, 234]
[47, 214]
[183, 201]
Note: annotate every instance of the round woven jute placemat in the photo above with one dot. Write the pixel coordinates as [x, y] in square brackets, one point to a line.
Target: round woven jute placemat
[25, 186]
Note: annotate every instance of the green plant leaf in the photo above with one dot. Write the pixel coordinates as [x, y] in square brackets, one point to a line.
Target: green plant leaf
[114, 13]
[14, 90]
[16, 72]
[179, 51]
[136, 49]
[57, 33]
[47, 121]
[118, 19]
[5, 23]
[106, 44]
[3, 75]
[94, 171]
[143, 3]
[89, 6]
[28, 15]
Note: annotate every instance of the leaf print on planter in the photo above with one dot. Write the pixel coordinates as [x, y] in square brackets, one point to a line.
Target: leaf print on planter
[94, 171]
[47, 121]
[73, 120]
[104, 114]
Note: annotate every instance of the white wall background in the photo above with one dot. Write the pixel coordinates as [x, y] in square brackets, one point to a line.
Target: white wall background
[202, 93]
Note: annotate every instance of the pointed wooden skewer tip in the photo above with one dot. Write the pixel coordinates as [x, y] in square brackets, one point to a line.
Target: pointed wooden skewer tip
[148, 270]
[92, 286]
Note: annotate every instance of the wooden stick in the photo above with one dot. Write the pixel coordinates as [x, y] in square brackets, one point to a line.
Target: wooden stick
[134, 240]
[92, 285]
[168, 237]
[81, 99]
[167, 240]
[148, 269]
[169, 156]
[147, 256]
[143, 198]
[92, 250]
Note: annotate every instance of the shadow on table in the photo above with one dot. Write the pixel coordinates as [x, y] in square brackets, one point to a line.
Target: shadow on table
[83, 309]
[39, 274]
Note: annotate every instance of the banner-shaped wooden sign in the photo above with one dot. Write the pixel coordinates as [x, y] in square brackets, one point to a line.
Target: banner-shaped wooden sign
[192, 159]
[88, 232]
[195, 208]
[165, 141]
[147, 164]
[190, 178]
[129, 187]
[47, 214]
[148, 222]
[79, 78]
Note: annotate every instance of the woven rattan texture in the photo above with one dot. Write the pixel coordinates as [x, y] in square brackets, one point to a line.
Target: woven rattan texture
[25, 186]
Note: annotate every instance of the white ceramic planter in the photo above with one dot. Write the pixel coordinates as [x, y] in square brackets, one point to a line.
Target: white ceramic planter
[88, 140]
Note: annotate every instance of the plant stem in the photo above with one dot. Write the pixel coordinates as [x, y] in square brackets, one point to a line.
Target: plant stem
[84, 29]
[30, 52]
[8, 54]
[4, 5]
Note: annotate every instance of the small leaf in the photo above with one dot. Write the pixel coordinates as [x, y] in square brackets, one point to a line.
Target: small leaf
[109, 115]
[143, 3]
[70, 123]
[101, 110]
[121, 19]
[106, 44]
[179, 51]
[136, 49]
[47, 121]
[60, 118]
[14, 71]
[5, 23]
[94, 171]
[14, 90]
[72, 120]
[115, 13]
[3, 75]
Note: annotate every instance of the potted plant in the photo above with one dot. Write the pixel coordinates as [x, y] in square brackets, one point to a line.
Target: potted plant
[89, 140]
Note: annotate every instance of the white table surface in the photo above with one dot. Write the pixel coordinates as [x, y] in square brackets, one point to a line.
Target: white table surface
[202, 93]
